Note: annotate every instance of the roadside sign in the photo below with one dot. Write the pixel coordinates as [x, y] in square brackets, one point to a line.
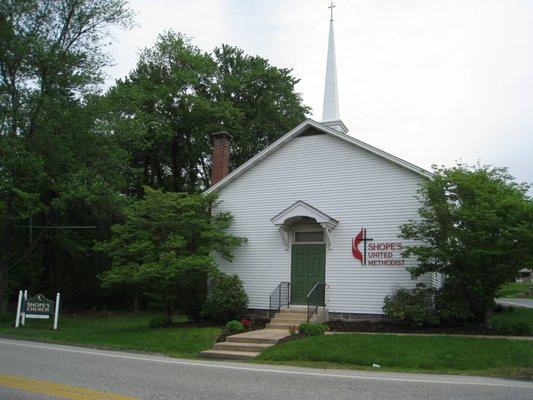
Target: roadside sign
[38, 307]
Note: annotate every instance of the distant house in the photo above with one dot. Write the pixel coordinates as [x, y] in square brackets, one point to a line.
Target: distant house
[524, 275]
[321, 211]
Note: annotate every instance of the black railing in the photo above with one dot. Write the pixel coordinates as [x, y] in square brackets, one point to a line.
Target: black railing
[315, 299]
[280, 296]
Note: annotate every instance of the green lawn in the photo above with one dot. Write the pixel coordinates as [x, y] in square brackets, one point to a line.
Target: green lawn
[436, 354]
[513, 289]
[126, 332]
[516, 315]
[433, 354]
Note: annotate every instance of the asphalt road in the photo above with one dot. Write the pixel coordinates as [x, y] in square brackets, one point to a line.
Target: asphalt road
[157, 377]
[526, 303]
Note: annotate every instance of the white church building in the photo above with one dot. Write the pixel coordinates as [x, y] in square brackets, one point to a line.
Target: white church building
[321, 211]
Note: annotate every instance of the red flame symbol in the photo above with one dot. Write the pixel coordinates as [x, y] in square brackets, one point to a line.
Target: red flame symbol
[355, 242]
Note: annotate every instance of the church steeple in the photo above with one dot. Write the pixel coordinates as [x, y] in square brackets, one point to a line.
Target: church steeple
[330, 112]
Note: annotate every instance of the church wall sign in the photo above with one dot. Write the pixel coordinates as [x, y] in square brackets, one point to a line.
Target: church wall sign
[376, 253]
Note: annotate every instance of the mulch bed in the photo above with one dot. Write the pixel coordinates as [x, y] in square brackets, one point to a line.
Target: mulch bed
[290, 338]
[383, 326]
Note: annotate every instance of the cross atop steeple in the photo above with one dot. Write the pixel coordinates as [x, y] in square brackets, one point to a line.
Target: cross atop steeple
[330, 112]
[331, 7]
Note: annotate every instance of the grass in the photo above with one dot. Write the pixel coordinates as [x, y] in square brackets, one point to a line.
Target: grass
[515, 315]
[513, 290]
[430, 354]
[124, 332]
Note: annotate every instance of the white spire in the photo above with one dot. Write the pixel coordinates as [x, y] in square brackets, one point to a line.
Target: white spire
[330, 112]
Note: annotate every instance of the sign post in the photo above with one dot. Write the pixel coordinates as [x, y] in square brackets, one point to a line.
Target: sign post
[23, 314]
[19, 307]
[56, 313]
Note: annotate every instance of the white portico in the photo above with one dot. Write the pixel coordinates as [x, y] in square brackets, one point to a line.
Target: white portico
[302, 220]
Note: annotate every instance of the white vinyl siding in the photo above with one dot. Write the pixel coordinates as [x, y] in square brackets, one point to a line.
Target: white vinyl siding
[357, 188]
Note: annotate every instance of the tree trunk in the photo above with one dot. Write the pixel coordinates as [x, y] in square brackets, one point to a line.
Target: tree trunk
[4, 279]
[7, 243]
[487, 317]
[175, 169]
[136, 301]
[170, 308]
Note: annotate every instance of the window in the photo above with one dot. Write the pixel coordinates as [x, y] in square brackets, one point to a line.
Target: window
[308, 237]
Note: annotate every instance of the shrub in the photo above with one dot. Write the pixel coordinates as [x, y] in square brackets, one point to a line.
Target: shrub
[233, 327]
[293, 330]
[158, 322]
[509, 328]
[521, 329]
[499, 308]
[312, 329]
[455, 308]
[412, 306]
[226, 298]
[246, 323]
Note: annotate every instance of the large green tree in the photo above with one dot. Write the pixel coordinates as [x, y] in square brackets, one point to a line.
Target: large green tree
[475, 228]
[71, 157]
[164, 248]
[164, 110]
[56, 168]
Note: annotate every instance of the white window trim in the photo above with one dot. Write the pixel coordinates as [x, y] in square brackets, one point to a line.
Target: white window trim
[323, 241]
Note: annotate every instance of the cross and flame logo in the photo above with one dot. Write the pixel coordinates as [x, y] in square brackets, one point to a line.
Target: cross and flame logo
[356, 241]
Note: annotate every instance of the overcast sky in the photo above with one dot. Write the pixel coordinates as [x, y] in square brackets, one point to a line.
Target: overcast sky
[432, 82]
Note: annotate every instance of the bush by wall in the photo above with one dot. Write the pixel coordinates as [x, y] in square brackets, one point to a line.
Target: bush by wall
[412, 306]
[226, 298]
[312, 329]
[509, 328]
[233, 327]
[158, 322]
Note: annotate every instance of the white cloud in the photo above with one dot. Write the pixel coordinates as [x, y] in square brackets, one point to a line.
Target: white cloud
[429, 81]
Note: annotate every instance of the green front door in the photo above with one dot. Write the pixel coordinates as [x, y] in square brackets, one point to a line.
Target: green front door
[308, 267]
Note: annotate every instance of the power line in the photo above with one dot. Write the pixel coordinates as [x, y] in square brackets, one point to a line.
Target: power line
[57, 226]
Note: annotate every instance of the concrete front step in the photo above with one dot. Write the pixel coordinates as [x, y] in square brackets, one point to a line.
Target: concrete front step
[250, 344]
[241, 346]
[271, 336]
[278, 325]
[288, 320]
[229, 354]
[246, 345]
[289, 310]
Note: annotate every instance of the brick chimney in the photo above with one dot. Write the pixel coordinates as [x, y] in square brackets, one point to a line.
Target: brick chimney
[220, 166]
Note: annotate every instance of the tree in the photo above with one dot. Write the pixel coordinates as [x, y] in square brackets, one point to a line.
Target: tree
[263, 96]
[164, 110]
[164, 249]
[71, 157]
[475, 228]
[55, 167]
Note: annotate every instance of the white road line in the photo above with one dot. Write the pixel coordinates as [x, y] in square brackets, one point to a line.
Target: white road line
[259, 369]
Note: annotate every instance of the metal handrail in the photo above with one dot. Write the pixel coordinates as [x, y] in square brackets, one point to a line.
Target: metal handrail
[312, 292]
[277, 295]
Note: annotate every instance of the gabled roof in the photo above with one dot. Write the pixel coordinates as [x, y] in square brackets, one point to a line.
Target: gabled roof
[300, 129]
